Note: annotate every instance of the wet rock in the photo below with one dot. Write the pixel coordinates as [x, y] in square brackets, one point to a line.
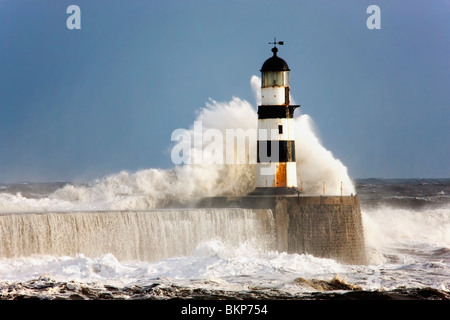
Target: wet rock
[334, 289]
[111, 288]
[90, 293]
[72, 286]
[324, 285]
[105, 296]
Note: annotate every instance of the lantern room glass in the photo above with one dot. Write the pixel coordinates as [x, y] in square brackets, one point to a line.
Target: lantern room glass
[275, 78]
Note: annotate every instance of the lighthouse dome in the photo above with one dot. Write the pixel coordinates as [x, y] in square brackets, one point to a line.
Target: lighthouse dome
[274, 63]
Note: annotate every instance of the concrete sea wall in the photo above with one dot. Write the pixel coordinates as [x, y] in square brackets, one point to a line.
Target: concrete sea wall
[147, 235]
[324, 226]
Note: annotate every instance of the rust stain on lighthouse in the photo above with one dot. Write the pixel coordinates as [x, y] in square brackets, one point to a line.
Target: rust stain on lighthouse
[281, 175]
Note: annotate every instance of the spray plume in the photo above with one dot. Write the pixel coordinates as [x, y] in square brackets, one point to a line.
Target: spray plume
[153, 188]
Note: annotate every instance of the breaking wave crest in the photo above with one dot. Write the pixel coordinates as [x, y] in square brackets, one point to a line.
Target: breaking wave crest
[153, 188]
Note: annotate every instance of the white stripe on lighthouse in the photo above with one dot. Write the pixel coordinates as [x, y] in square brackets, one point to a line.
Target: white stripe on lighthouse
[273, 96]
[277, 129]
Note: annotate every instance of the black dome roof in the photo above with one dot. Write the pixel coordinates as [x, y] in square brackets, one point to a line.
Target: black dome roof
[275, 63]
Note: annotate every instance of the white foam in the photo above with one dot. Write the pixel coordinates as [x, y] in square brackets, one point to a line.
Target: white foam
[385, 226]
[212, 260]
[151, 188]
[105, 269]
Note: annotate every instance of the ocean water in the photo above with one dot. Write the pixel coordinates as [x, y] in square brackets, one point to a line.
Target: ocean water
[223, 251]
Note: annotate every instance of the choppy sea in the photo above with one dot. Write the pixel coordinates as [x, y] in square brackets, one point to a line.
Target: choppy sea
[407, 235]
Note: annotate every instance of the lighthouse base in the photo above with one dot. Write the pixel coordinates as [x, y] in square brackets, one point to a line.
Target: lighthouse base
[323, 226]
[274, 191]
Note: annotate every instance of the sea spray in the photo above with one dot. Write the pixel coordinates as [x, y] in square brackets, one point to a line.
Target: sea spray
[317, 170]
[386, 226]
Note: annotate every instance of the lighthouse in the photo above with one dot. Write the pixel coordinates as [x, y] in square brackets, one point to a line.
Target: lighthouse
[324, 226]
[276, 167]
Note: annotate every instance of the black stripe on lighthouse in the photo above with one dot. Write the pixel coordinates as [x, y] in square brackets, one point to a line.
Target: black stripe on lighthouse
[276, 112]
[286, 151]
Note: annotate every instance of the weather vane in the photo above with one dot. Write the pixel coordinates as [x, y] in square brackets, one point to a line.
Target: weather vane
[275, 42]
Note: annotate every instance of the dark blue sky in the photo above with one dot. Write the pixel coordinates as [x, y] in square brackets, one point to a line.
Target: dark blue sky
[80, 104]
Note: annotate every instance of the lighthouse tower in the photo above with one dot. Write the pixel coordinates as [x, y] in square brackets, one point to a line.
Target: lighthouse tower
[276, 169]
